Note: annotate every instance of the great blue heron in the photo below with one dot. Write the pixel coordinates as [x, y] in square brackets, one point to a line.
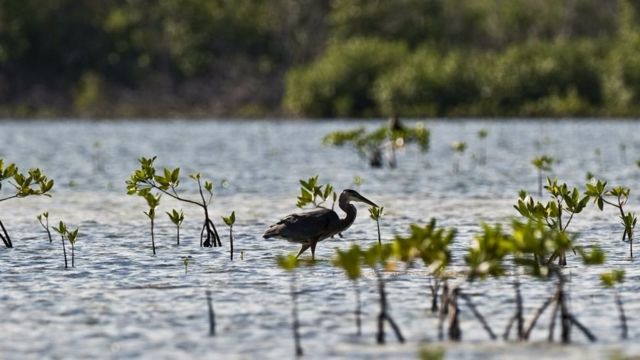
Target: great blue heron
[310, 227]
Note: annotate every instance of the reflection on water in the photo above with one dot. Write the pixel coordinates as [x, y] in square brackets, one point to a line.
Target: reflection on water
[121, 302]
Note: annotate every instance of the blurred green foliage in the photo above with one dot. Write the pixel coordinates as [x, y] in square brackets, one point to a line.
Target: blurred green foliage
[327, 58]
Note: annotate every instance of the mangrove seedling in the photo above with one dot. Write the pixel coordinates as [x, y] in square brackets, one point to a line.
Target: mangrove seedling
[482, 135]
[610, 279]
[371, 145]
[229, 221]
[72, 236]
[176, 218]
[351, 262]
[458, 148]
[542, 164]
[289, 263]
[313, 193]
[62, 230]
[557, 213]
[598, 191]
[33, 183]
[430, 245]
[377, 257]
[186, 260]
[144, 179]
[153, 201]
[375, 213]
[45, 224]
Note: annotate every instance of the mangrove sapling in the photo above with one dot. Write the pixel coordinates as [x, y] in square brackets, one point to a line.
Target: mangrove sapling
[378, 257]
[371, 145]
[45, 224]
[610, 279]
[153, 201]
[63, 231]
[542, 164]
[598, 191]
[431, 245]
[176, 218]
[143, 180]
[289, 263]
[351, 262]
[72, 236]
[186, 260]
[229, 221]
[458, 148]
[564, 201]
[375, 213]
[482, 135]
[534, 244]
[33, 183]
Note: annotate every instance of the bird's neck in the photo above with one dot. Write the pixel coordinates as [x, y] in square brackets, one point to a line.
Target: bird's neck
[351, 212]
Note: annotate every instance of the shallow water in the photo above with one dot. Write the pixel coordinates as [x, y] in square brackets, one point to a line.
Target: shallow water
[122, 302]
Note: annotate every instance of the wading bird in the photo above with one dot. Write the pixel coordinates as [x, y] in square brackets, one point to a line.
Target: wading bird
[310, 227]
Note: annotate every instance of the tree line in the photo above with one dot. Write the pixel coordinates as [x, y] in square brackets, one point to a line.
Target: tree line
[325, 58]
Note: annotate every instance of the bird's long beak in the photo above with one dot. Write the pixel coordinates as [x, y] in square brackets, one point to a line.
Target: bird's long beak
[364, 200]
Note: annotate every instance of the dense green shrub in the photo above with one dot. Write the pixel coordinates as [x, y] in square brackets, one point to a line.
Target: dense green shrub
[429, 83]
[550, 77]
[340, 82]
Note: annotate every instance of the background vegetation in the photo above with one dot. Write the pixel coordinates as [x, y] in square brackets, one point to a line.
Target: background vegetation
[319, 58]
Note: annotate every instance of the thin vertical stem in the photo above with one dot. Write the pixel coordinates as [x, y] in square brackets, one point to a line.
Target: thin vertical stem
[358, 311]
[231, 241]
[623, 318]
[153, 240]
[73, 250]
[379, 239]
[212, 315]
[455, 334]
[64, 252]
[383, 308]
[294, 313]
[178, 235]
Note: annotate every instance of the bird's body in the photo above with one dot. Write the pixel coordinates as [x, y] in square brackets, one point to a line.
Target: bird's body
[310, 227]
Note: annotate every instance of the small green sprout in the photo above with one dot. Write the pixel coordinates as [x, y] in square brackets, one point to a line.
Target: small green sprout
[375, 213]
[45, 224]
[71, 236]
[229, 221]
[542, 164]
[153, 201]
[598, 191]
[176, 218]
[458, 148]
[482, 135]
[186, 260]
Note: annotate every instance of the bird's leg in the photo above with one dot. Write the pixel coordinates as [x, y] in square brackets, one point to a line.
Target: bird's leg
[313, 250]
[303, 249]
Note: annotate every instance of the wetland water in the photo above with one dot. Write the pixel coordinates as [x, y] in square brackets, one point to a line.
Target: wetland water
[122, 302]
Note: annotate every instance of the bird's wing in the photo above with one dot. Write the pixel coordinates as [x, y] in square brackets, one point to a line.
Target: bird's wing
[305, 226]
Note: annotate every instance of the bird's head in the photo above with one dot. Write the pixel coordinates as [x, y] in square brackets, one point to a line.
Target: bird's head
[352, 195]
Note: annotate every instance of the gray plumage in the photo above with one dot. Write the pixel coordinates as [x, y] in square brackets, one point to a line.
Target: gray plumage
[310, 227]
